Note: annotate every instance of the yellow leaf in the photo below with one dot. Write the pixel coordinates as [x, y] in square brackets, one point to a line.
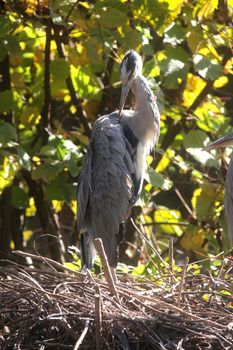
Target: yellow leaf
[194, 86]
[36, 160]
[57, 205]
[27, 234]
[73, 207]
[31, 210]
[220, 82]
[206, 297]
[31, 7]
[193, 239]
[196, 194]
[207, 8]
[165, 161]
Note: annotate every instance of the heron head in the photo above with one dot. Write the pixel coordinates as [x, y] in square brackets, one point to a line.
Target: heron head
[225, 141]
[131, 67]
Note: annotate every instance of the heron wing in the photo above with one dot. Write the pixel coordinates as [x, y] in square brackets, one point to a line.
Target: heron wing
[84, 188]
[228, 200]
[105, 188]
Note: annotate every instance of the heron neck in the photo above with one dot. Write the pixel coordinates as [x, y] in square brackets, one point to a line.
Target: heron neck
[144, 97]
[146, 111]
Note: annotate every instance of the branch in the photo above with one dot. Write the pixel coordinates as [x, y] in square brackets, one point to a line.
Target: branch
[47, 93]
[182, 280]
[107, 271]
[82, 116]
[98, 317]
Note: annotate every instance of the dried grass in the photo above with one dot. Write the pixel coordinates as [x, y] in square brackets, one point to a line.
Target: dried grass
[67, 310]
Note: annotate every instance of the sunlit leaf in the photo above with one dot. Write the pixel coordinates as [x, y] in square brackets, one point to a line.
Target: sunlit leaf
[206, 68]
[158, 180]
[166, 219]
[24, 158]
[174, 67]
[204, 198]
[174, 34]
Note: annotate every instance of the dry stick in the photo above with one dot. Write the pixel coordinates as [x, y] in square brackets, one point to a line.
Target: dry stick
[84, 332]
[152, 247]
[184, 203]
[49, 261]
[107, 272]
[163, 304]
[98, 317]
[182, 279]
[172, 278]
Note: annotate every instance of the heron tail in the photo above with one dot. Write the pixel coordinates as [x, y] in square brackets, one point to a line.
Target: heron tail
[88, 251]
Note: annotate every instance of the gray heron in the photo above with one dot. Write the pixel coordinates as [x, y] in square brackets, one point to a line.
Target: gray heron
[226, 141]
[114, 166]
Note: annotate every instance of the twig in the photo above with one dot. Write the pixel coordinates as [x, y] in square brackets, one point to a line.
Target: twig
[45, 114]
[98, 317]
[168, 306]
[71, 10]
[81, 338]
[182, 279]
[151, 246]
[184, 203]
[49, 261]
[107, 271]
[172, 278]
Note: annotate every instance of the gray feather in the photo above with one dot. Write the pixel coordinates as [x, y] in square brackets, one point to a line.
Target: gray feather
[228, 199]
[105, 186]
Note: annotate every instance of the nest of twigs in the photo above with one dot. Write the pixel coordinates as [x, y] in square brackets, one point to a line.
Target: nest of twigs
[69, 310]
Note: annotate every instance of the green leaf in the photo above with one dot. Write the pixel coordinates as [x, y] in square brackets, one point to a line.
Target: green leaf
[13, 46]
[207, 68]
[130, 38]
[203, 200]
[3, 50]
[111, 17]
[60, 69]
[48, 151]
[24, 158]
[6, 101]
[60, 189]
[159, 181]
[5, 25]
[195, 139]
[174, 67]
[47, 171]
[72, 167]
[19, 198]
[30, 115]
[7, 132]
[174, 34]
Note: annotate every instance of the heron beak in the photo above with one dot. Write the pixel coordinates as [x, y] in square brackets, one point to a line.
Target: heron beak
[124, 93]
[224, 141]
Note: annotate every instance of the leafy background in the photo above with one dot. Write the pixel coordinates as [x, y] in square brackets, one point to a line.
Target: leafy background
[59, 70]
